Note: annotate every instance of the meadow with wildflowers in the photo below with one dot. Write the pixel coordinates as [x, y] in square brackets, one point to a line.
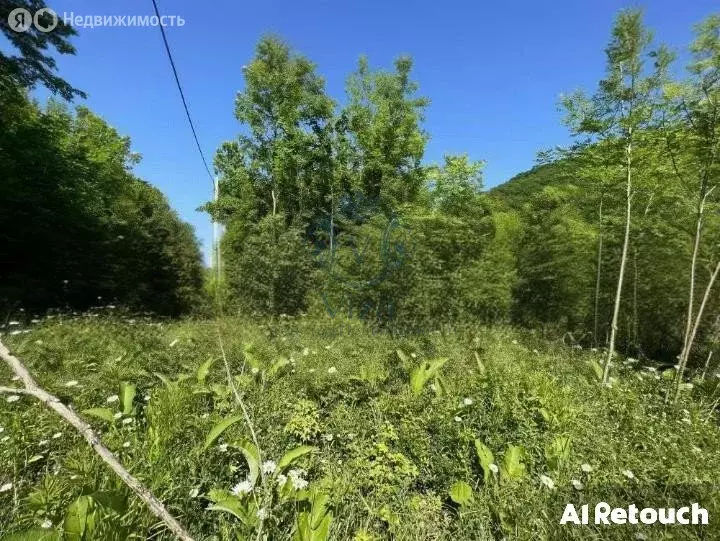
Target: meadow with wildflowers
[470, 433]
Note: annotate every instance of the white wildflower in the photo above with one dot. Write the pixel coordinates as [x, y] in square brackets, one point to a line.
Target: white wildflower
[194, 492]
[269, 467]
[6, 487]
[243, 487]
[296, 479]
[515, 342]
[628, 474]
[433, 387]
[545, 480]
[12, 323]
[262, 513]
[255, 370]
[413, 355]
[13, 398]
[57, 435]
[117, 415]
[43, 443]
[128, 420]
[113, 398]
[467, 402]
[126, 444]
[328, 437]
[577, 484]
[494, 468]
[587, 468]
[71, 383]
[223, 447]
[281, 480]
[458, 419]
[332, 370]
[2, 430]
[46, 524]
[306, 352]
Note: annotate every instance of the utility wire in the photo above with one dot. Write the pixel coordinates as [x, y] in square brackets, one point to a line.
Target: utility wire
[182, 94]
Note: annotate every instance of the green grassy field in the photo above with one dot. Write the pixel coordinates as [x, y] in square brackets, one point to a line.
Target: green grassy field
[387, 447]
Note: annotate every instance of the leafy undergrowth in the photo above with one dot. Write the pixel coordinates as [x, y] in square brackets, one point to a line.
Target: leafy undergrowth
[478, 433]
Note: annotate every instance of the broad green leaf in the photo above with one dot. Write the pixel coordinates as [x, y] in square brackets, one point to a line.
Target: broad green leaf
[252, 456]
[127, 395]
[78, 519]
[486, 458]
[250, 359]
[204, 370]
[512, 466]
[227, 503]
[461, 493]
[557, 451]
[423, 373]
[219, 428]
[292, 455]
[105, 414]
[481, 367]
[278, 366]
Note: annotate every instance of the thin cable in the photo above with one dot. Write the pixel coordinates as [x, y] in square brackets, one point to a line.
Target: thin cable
[182, 94]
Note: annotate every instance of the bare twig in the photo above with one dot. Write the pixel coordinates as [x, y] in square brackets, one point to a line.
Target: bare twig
[52, 402]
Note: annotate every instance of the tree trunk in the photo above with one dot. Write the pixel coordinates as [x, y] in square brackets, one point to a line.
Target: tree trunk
[599, 271]
[623, 261]
[691, 338]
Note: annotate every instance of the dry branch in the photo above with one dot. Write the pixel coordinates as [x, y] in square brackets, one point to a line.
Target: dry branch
[31, 388]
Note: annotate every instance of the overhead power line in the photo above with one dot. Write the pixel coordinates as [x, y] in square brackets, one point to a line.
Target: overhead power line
[182, 95]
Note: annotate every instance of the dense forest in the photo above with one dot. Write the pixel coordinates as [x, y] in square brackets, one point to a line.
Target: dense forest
[330, 204]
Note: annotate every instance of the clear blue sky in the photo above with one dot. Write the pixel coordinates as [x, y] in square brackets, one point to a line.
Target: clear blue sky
[493, 71]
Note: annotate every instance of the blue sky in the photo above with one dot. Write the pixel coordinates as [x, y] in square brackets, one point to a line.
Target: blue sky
[493, 71]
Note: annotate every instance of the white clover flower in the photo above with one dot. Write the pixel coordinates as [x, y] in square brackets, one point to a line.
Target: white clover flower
[126, 444]
[413, 355]
[576, 484]
[243, 487]
[458, 419]
[12, 398]
[467, 402]
[223, 447]
[262, 513]
[112, 398]
[545, 480]
[493, 468]
[587, 468]
[628, 474]
[46, 524]
[194, 492]
[117, 415]
[332, 370]
[6, 487]
[306, 352]
[57, 435]
[269, 467]
[328, 437]
[147, 398]
[255, 370]
[174, 343]
[281, 480]
[128, 420]
[71, 383]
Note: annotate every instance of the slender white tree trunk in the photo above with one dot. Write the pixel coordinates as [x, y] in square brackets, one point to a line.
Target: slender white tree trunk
[599, 271]
[693, 333]
[623, 261]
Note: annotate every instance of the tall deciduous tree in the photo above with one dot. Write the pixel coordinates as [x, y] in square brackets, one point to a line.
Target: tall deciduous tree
[620, 110]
